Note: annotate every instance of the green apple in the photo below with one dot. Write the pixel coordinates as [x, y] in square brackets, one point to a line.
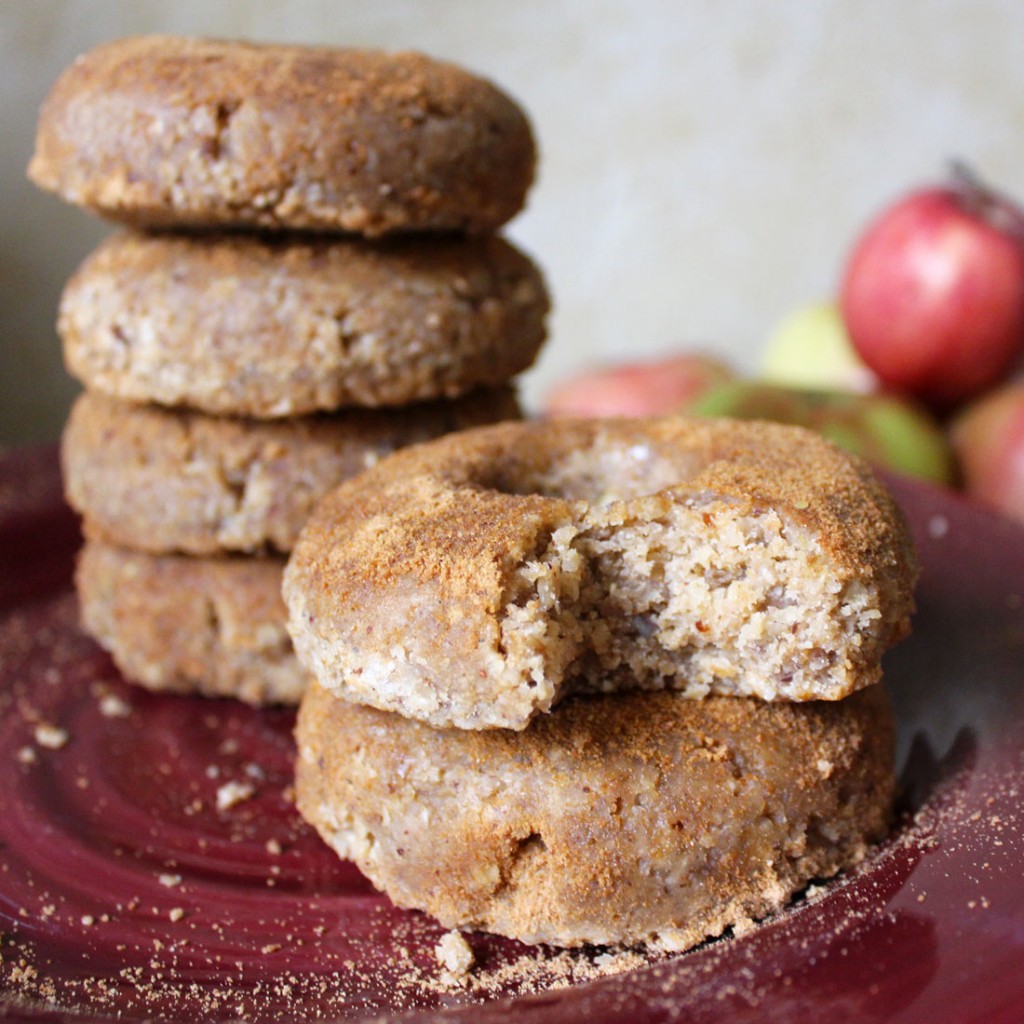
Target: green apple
[811, 348]
[880, 428]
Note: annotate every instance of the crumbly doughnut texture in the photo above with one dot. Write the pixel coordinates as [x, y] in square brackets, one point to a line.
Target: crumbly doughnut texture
[175, 131]
[269, 327]
[624, 818]
[508, 566]
[211, 626]
[164, 480]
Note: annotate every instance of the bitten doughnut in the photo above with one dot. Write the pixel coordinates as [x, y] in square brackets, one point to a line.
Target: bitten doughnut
[510, 565]
[266, 327]
[632, 818]
[173, 131]
[211, 626]
[164, 480]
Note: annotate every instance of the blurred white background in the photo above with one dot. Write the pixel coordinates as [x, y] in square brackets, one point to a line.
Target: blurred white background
[704, 164]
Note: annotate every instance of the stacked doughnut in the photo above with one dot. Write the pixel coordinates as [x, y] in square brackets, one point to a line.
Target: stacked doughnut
[620, 682]
[309, 279]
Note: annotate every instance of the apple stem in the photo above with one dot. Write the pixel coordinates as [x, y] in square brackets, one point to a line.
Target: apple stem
[985, 202]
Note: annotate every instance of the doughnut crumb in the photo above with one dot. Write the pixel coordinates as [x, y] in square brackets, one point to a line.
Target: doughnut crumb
[455, 955]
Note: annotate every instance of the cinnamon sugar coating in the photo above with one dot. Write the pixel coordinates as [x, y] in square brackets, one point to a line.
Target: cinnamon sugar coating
[242, 325]
[211, 626]
[617, 819]
[165, 480]
[509, 566]
[177, 131]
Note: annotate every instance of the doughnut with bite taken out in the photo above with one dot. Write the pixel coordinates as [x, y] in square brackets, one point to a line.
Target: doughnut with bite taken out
[476, 580]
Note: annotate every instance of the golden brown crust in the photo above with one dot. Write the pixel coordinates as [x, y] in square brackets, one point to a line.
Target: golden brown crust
[212, 626]
[251, 326]
[503, 563]
[163, 130]
[163, 480]
[627, 818]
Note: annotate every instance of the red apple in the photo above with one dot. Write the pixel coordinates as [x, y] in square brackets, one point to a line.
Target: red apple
[636, 389]
[933, 293]
[988, 438]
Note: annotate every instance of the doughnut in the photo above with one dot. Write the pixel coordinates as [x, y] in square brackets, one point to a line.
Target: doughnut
[508, 566]
[210, 626]
[271, 327]
[172, 131]
[626, 818]
[167, 480]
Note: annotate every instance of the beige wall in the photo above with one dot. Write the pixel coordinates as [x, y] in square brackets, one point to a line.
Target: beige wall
[704, 164]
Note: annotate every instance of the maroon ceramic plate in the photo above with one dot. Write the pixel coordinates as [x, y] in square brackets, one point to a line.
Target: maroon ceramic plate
[152, 865]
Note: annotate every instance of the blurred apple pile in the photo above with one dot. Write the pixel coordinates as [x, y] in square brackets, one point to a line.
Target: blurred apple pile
[918, 365]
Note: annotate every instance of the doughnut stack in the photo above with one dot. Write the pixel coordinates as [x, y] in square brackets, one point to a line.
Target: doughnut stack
[621, 681]
[309, 278]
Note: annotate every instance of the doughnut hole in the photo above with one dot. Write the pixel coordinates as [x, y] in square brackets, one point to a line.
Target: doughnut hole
[654, 585]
